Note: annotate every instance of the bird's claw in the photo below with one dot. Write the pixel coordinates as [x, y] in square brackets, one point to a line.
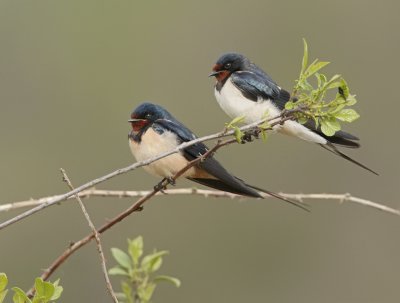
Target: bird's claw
[171, 181]
[284, 113]
[160, 186]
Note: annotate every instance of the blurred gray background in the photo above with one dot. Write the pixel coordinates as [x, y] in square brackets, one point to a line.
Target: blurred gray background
[72, 71]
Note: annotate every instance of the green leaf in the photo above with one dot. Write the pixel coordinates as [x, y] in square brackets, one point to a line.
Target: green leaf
[305, 85]
[289, 105]
[153, 262]
[44, 290]
[3, 281]
[333, 83]
[58, 289]
[334, 124]
[20, 296]
[330, 126]
[314, 67]
[57, 293]
[238, 134]
[302, 119]
[121, 257]
[264, 135]
[321, 78]
[127, 289]
[325, 113]
[145, 293]
[39, 287]
[351, 100]
[118, 271]
[135, 248]
[3, 294]
[337, 108]
[305, 57]
[172, 280]
[326, 129]
[235, 121]
[347, 115]
[344, 89]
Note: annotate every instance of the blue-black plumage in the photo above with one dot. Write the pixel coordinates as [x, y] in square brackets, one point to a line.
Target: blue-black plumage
[244, 89]
[155, 130]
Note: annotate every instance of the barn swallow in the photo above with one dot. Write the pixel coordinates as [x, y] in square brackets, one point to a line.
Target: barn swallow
[155, 130]
[244, 89]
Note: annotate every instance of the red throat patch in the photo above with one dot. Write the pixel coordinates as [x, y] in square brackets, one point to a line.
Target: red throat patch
[138, 125]
[222, 75]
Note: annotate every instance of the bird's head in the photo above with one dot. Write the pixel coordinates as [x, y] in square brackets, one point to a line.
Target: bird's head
[228, 64]
[145, 115]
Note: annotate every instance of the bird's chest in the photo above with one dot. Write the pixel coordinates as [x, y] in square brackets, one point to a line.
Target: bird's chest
[153, 144]
[234, 104]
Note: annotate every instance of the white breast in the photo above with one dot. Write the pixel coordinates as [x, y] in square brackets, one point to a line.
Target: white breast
[153, 144]
[234, 104]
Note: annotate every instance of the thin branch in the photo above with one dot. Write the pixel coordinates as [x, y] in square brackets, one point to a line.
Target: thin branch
[343, 198]
[277, 120]
[146, 195]
[137, 206]
[205, 193]
[96, 236]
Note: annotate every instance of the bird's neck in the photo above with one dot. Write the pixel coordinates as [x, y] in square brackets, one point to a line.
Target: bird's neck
[221, 82]
[136, 135]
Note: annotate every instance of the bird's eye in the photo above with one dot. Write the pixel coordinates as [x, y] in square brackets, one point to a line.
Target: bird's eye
[228, 65]
[148, 116]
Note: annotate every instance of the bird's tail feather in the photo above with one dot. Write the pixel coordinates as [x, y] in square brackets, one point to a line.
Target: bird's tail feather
[330, 147]
[239, 189]
[299, 204]
[245, 190]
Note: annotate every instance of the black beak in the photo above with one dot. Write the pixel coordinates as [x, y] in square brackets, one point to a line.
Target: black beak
[135, 120]
[213, 74]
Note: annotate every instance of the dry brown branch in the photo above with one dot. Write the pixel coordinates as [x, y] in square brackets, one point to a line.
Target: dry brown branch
[205, 193]
[137, 206]
[96, 236]
[287, 115]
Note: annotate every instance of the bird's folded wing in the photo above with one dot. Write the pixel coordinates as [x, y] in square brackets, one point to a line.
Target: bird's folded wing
[255, 86]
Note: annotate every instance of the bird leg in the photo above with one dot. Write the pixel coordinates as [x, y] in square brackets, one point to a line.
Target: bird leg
[160, 186]
[171, 181]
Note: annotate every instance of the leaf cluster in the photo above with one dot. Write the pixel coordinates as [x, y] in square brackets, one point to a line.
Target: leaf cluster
[44, 291]
[238, 134]
[316, 103]
[234, 125]
[140, 281]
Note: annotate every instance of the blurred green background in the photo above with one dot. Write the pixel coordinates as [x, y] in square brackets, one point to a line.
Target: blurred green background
[72, 71]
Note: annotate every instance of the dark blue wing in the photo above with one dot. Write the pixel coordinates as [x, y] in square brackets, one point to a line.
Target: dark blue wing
[255, 85]
[222, 180]
[184, 135]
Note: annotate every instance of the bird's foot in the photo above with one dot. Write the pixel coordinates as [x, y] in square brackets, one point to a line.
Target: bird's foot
[171, 181]
[285, 113]
[160, 186]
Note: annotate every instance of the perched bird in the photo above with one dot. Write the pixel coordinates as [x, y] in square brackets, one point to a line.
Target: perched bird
[155, 130]
[244, 89]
